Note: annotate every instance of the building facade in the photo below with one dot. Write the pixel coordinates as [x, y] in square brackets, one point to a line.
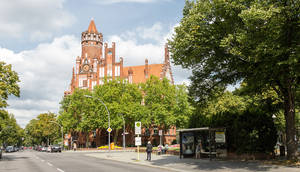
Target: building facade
[97, 62]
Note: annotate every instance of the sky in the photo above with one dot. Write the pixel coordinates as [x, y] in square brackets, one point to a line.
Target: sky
[41, 39]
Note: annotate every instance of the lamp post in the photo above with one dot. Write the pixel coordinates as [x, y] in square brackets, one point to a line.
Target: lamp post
[108, 119]
[124, 142]
[62, 133]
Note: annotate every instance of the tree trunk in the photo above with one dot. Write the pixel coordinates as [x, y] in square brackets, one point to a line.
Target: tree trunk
[87, 140]
[289, 113]
[116, 136]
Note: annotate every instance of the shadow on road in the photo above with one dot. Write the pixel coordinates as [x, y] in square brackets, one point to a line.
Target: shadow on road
[11, 157]
[203, 164]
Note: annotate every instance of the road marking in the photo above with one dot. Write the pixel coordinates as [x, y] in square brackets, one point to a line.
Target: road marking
[60, 170]
[42, 160]
[49, 164]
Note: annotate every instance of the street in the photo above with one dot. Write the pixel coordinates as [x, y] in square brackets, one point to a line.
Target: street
[32, 161]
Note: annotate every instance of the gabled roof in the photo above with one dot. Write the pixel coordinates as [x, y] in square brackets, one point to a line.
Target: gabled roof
[138, 72]
[92, 27]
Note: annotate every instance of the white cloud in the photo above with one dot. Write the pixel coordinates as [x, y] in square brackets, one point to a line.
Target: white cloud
[127, 1]
[35, 18]
[45, 73]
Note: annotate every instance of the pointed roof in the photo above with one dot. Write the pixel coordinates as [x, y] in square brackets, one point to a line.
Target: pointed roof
[92, 27]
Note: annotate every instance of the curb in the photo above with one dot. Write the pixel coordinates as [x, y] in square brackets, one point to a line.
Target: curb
[137, 163]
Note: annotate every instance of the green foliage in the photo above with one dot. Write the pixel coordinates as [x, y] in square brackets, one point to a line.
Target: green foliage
[248, 132]
[10, 132]
[182, 109]
[257, 42]
[121, 98]
[42, 129]
[248, 120]
[165, 104]
[156, 102]
[8, 83]
[73, 108]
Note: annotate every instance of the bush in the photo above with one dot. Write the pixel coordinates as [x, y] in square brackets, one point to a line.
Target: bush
[174, 142]
[249, 132]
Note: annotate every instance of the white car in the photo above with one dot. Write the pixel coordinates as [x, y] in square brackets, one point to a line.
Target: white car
[49, 149]
[44, 149]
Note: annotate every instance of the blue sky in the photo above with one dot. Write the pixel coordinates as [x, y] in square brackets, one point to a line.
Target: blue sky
[41, 39]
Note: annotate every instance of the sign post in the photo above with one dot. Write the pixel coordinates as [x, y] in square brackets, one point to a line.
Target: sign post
[138, 140]
[160, 136]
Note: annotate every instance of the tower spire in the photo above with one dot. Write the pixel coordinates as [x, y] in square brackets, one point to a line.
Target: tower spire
[92, 27]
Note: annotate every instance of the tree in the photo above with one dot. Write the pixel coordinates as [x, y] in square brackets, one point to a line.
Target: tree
[182, 109]
[42, 130]
[8, 83]
[257, 42]
[73, 111]
[121, 98]
[165, 104]
[10, 132]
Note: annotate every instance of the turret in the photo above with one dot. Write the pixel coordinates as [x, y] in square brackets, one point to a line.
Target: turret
[92, 41]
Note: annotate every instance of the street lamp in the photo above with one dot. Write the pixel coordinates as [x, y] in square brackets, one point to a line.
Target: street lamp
[62, 133]
[124, 142]
[108, 119]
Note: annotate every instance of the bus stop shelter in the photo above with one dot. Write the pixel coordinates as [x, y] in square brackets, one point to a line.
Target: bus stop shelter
[203, 142]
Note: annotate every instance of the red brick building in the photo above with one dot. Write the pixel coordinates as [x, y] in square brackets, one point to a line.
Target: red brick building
[97, 62]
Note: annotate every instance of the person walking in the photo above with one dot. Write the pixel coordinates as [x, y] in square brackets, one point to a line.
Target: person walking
[74, 146]
[149, 150]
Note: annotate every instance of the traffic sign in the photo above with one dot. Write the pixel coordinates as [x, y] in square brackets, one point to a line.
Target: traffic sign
[138, 126]
[109, 130]
[138, 141]
[160, 133]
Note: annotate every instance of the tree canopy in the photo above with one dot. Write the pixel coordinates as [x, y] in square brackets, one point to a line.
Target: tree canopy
[156, 102]
[10, 132]
[257, 42]
[8, 83]
[42, 130]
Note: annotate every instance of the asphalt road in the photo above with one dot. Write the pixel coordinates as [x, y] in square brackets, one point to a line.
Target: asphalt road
[32, 161]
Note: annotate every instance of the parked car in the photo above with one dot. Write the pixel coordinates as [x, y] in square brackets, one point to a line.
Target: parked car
[49, 148]
[9, 149]
[55, 148]
[44, 149]
[0, 153]
[39, 148]
[16, 149]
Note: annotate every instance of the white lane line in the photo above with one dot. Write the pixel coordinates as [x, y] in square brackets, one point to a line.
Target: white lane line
[60, 170]
[49, 164]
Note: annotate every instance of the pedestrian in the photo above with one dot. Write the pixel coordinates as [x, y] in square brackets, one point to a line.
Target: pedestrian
[74, 146]
[149, 150]
[199, 149]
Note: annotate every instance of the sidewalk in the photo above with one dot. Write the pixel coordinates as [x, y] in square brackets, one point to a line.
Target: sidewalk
[173, 163]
